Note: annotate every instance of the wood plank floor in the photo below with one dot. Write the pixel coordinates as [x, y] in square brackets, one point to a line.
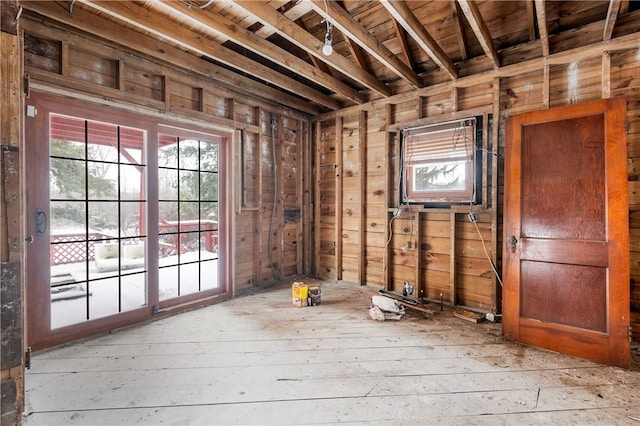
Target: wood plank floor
[259, 360]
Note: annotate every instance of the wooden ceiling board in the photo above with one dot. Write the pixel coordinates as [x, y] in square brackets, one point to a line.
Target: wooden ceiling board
[465, 37]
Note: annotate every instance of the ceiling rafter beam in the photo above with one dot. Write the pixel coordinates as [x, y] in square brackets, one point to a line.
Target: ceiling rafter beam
[404, 44]
[459, 24]
[349, 26]
[297, 35]
[354, 49]
[531, 19]
[481, 30]
[241, 36]
[541, 14]
[406, 18]
[159, 26]
[85, 20]
[612, 15]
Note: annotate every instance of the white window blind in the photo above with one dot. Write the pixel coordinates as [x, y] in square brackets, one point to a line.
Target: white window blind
[451, 141]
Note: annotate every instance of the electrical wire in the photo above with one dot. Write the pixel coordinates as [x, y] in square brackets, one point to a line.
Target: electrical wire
[484, 246]
[275, 193]
[192, 5]
[385, 261]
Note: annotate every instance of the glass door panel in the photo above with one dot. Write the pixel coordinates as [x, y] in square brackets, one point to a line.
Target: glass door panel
[188, 184]
[97, 209]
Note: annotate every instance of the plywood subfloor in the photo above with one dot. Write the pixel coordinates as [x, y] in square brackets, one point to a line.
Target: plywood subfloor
[260, 360]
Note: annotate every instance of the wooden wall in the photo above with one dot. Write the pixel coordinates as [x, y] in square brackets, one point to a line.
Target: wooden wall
[357, 152]
[12, 359]
[269, 185]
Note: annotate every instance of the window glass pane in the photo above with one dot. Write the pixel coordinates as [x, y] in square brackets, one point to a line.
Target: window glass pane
[208, 156]
[168, 151]
[208, 186]
[67, 179]
[67, 137]
[132, 142]
[168, 211]
[131, 178]
[168, 184]
[102, 141]
[68, 217]
[103, 180]
[190, 213]
[440, 177]
[189, 185]
[130, 219]
[188, 155]
[103, 217]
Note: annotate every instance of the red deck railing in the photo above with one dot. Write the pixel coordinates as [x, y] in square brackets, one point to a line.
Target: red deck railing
[72, 247]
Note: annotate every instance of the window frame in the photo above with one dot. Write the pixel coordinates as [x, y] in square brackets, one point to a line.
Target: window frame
[438, 135]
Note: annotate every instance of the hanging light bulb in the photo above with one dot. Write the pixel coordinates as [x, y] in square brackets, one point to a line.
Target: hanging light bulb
[327, 49]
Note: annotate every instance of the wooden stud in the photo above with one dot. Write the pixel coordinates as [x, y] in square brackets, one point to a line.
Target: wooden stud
[362, 134]
[64, 58]
[316, 192]
[486, 160]
[454, 99]
[279, 188]
[257, 215]
[299, 197]
[339, 196]
[496, 295]
[307, 197]
[418, 288]
[420, 101]
[606, 75]
[452, 258]
[120, 76]
[545, 86]
[389, 186]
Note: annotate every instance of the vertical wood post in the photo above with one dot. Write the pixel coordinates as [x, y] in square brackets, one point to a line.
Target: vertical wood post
[386, 269]
[419, 291]
[545, 87]
[362, 228]
[496, 293]
[339, 196]
[606, 75]
[316, 193]
[307, 198]
[299, 196]
[11, 216]
[452, 258]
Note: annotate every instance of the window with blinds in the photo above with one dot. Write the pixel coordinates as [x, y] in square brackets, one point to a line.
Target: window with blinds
[439, 162]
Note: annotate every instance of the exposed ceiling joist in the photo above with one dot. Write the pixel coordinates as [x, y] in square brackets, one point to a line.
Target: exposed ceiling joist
[404, 44]
[294, 13]
[85, 20]
[352, 29]
[481, 30]
[298, 36]
[612, 15]
[405, 17]
[541, 14]
[354, 49]
[531, 19]
[162, 27]
[227, 28]
[459, 24]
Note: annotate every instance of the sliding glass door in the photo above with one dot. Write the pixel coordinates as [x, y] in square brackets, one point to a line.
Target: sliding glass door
[126, 218]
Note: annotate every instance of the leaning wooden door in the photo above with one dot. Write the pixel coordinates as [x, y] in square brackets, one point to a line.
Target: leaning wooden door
[566, 231]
